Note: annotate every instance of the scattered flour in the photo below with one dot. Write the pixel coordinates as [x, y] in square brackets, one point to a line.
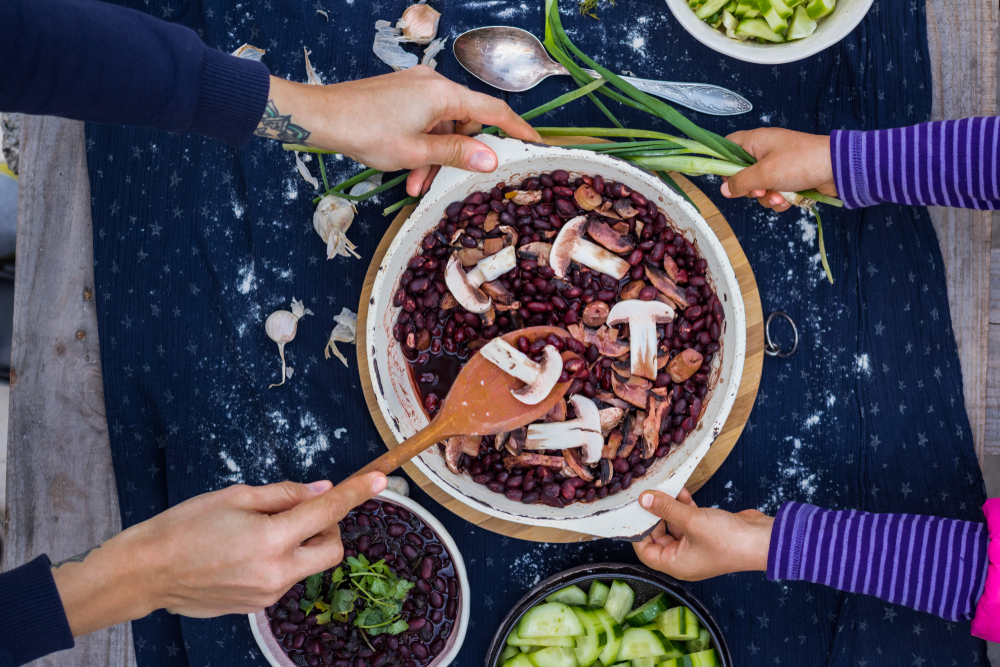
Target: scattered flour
[813, 420]
[291, 190]
[249, 280]
[236, 474]
[808, 228]
[237, 209]
[863, 365]
[794, 481]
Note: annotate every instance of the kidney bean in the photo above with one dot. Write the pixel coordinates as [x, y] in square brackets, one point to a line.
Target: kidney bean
[419, 650]
[409, 552]
[530, 497]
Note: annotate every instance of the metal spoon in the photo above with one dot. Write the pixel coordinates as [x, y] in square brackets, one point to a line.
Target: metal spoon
[514, 60]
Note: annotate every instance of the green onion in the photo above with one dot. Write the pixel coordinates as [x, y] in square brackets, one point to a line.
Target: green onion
[400, 204]
[322, 171]
[822, 247]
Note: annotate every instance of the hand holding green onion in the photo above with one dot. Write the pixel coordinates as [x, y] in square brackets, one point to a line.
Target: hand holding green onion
[787, 161]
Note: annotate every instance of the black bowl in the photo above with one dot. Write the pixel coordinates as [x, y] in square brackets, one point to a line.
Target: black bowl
[645, 582]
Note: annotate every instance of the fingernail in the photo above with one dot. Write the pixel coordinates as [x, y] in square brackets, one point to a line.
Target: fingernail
[725, 190]
[777, 199]
[378, 486]
[483, 161]
[321, 486]
[646, 500]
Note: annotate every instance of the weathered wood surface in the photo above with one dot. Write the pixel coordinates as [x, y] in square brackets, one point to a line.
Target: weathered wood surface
[993, 372]
[720, 449]
[963, 47]
[61, 496]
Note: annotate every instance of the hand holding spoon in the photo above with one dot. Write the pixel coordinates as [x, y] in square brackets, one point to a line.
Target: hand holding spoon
[479, 403]
[514, 60]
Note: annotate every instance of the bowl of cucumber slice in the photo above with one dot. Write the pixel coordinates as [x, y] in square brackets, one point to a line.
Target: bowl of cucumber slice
[769, 32]
[610, 615]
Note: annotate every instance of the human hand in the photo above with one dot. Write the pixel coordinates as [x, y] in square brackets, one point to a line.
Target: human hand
[787, 161]
[695, 543]
[237, 550]
[403, 120]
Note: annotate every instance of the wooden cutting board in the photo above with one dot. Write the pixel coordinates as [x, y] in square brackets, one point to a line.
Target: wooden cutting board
[716, 455]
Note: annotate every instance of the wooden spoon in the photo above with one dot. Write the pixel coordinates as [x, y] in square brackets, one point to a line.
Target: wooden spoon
[478, 403]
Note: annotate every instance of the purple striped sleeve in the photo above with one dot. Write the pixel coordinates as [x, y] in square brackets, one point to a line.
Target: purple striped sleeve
[943, 163]
[926, 563]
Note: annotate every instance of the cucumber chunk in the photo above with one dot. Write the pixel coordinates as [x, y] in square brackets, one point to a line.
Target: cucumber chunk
[700, 659]
[702, 643]
[643, 643]
[710, 8]
[644, 662]
[801, 25]
[817, 9]
[647, 612]
[679, 624]
[554, 656]
[552, 619]
[508, 653]
[565, 642]
[520, 660]
[587, 650]
[759, 28]
[673, 662]
[590, 647]
[610, 653]
[743, 7]
[598, 594]
[569, 595]
[781, 9]
[620, 599]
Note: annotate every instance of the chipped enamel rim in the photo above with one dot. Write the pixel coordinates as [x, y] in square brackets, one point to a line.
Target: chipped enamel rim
[615, 516]
[276, 655]
[830, 30]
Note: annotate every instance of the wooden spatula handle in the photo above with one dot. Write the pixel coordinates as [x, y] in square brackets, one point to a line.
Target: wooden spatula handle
[410, 448]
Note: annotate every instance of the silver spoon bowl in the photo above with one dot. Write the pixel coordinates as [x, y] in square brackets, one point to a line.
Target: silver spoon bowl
[514, 60]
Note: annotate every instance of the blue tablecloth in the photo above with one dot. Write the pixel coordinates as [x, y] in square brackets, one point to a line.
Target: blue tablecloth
[195, 243]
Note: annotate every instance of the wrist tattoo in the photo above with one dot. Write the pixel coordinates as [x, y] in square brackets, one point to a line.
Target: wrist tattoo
[74, 559]
[273, 125]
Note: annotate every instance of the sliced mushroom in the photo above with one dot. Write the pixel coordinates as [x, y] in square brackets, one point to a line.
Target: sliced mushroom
[558, 412]
[684, 365]
[610, 450]
[539, 378]
[610, 418]
[515, 444]
[470, 256]
[609, 238]
[667, 287]
[612, 400]
[623, 367]
[500, 295]
[642, 318]
[453, 453]
[584, 431]
[656, 409]
[509, 235]
[492, 246]
[501, 440]
[605, 338]
[625, 209]
[448, 302]
[575, 464]
[492, 220]
[605, 473]
[525, 197]
[465, 292]
[532, 460]
[570, 246]
[671, 268]
[621, 227]
[607, 210]
[493, 266]
[631, 290]
[595, 313]
[587, 198]
[536, 251]
[633, 434]
[662, 357]
[633, 393]
[470, 445]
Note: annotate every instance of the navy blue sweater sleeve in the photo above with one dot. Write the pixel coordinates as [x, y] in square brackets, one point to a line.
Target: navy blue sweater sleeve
[48, 630]
[93, 61]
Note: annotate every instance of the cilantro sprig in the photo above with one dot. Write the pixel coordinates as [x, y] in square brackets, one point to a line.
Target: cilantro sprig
[373, 591]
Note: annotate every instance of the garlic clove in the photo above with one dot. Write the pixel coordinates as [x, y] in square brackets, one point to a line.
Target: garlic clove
[421, 23]
[281, 326]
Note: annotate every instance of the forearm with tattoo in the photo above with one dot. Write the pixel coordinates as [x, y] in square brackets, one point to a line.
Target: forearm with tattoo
[274, 125]
[79, 558]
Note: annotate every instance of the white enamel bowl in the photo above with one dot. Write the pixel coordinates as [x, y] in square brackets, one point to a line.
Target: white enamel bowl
[276, 655]
[614, 516]
[830, 30]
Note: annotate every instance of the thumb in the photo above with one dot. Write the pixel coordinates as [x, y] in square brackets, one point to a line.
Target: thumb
[672, 511]
[456, 150]
[276, 498]
[745, 181]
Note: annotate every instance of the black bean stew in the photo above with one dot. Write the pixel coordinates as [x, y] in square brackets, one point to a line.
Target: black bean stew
[379, 530]
[647, 418]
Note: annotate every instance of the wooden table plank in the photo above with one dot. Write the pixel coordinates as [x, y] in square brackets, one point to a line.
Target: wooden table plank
[993, 371]
[61, 496]
[963, 47]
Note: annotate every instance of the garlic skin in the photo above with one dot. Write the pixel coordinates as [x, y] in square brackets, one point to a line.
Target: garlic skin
[344, 332]
[281, 326]
[420, 23]
[332, 218]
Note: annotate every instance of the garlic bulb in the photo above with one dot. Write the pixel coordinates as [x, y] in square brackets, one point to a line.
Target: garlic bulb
[420, 23]
[344, 332]
[281, 326]
[332, 218]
